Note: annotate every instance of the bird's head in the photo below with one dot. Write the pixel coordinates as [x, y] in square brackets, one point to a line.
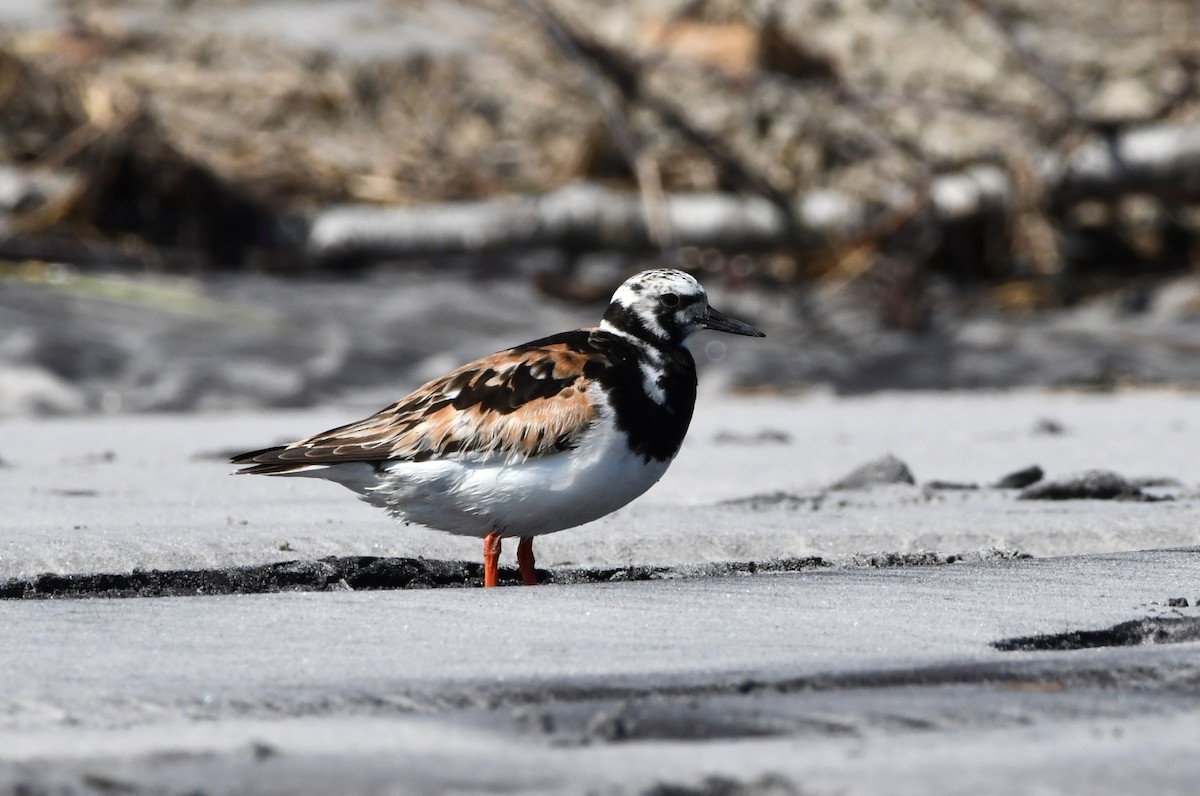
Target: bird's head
[667, 306]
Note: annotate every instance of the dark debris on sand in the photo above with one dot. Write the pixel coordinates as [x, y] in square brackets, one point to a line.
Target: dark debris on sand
[1173, 630]
[353, 573]
[767, 785]
[326, 574]
[1088, 485]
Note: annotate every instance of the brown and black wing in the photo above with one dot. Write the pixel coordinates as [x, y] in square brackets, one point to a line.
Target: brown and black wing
[518, 404]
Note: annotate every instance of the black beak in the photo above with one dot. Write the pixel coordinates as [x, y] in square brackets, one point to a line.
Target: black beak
[723, 323]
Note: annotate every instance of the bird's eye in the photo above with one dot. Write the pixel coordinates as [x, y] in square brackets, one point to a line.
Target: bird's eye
[669, 300]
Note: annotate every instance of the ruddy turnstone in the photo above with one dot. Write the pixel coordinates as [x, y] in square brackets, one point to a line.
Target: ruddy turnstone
[541, 437]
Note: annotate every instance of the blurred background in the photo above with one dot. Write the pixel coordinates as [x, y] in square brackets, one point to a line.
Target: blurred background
[280, 203]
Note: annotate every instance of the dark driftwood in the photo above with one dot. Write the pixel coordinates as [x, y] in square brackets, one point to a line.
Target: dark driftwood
[1160, 160]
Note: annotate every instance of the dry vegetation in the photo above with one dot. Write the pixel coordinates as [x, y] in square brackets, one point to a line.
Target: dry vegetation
[152, 138]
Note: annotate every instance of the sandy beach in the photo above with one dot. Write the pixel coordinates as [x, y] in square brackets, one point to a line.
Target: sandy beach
[876, 664]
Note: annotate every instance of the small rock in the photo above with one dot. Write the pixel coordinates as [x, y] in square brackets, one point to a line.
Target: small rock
[935, 485]
[263, 751]
[1021, 478]
[1048, 425]
[887, 470]
[767, 436]
[75, 492]
[1157, 481]
[1177, 602]
[1088, 485]
[772, 500]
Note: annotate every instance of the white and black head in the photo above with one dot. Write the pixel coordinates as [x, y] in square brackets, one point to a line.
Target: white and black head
[667, 306]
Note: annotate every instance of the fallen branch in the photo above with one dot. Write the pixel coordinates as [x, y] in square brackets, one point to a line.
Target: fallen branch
[578, 218]
[587, 217]
[1161, 160]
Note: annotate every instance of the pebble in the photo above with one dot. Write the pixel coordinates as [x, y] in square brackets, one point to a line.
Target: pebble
[885, 470]
[1021, 478]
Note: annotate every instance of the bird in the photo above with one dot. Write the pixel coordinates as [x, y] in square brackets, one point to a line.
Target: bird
[534, 439]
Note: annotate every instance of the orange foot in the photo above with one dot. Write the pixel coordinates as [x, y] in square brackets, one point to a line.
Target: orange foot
[525, 560]
[491, 559]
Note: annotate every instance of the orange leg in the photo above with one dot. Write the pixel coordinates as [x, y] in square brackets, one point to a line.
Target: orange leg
[525, 559]
[491, 559]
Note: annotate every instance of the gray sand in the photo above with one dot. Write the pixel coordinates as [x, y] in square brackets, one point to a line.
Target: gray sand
[849, 678]
[116, 493]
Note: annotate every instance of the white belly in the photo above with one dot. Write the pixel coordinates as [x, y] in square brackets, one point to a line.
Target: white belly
[526, 498]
